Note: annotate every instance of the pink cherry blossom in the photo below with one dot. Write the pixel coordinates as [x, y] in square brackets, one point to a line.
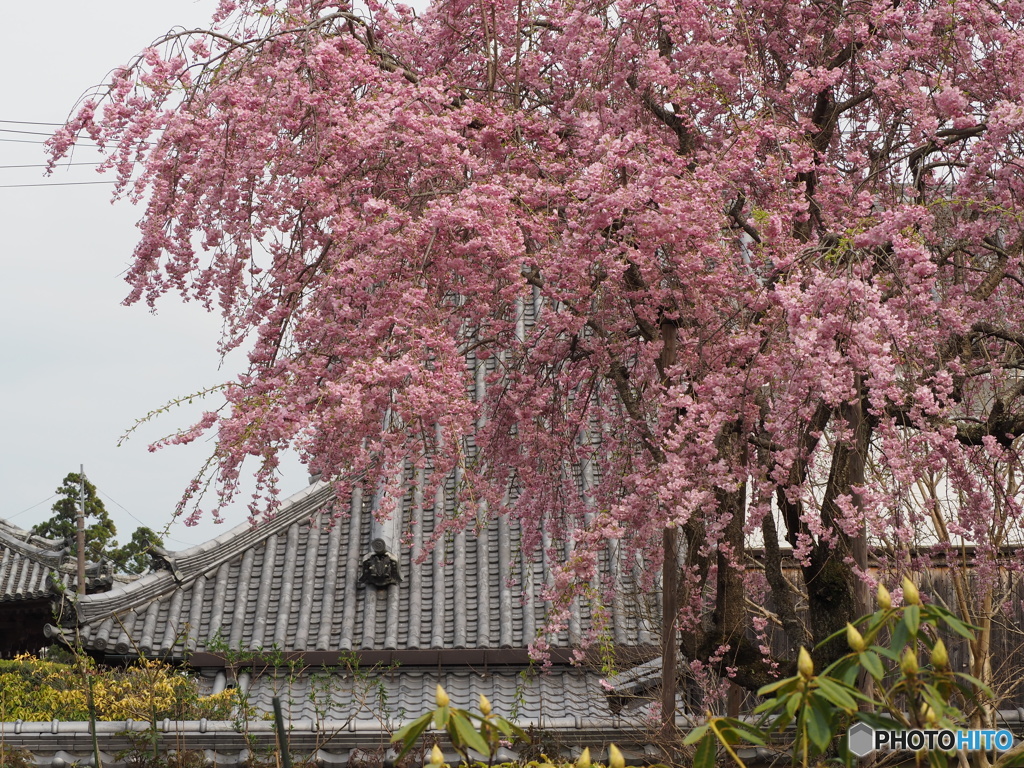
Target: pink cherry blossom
[613, 269]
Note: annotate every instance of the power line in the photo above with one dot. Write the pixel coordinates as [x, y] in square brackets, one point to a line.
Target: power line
[122, 506]
[41, 165]
[30, 122]
[140, 522]
[40, 143]
[55, 184]
[22, 141]
[29, 509]
[31, 133]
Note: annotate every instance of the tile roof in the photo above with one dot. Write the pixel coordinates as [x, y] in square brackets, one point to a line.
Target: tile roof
[305, 584]
[292, 584]
[28, 561]
[390, 696]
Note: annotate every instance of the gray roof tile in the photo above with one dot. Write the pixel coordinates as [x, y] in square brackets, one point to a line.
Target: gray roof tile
[33, 567]
[400, 694]
[292, 583]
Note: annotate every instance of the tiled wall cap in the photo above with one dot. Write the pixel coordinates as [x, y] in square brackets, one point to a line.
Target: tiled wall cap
[226, 726]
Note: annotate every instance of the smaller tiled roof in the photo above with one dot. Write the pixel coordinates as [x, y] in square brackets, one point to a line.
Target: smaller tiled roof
[390, 696]
[33, 567]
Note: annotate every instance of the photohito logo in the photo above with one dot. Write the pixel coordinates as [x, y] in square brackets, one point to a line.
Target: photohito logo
[863, 740]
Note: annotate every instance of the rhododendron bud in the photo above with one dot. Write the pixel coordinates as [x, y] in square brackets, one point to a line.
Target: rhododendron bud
[908, 663]
[884, 598]
[855, 639]
[615, 758]
[928, 715]
[485, 705]
[436, 756]
[940, 656]
[583, 761]
[804, 664]
[441, 697]
[910, 594]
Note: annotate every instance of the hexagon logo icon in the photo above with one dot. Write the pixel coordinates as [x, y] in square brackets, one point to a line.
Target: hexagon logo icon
[860, 738]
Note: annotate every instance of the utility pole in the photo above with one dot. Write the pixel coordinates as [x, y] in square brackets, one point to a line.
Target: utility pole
[81, 530]
[669, 639]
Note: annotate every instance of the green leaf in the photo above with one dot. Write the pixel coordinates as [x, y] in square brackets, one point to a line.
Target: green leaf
[889, 654]
[420, 722]
[837, 693]
[912, 618]
[934, 698]
[780, 723]
[696, 734]
[958, 626]
[819, 723]
[850, 675]
[771, 705]
[410, 733]
[875, 621]
[441, 715]
[747, 731]
[975, 682]
[879, 722]
[946, 615]
[726, 735]
[839, 633]
[870, 661]
[764, 690]
[510, 729]
[706, 752]
[840, 667]
[793, 703]
[900, 636]
[468, 736]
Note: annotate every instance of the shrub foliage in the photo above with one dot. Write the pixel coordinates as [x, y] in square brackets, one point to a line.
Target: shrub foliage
[38, 689]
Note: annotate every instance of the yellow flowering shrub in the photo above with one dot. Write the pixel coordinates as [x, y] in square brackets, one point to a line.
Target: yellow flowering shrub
[36, 689]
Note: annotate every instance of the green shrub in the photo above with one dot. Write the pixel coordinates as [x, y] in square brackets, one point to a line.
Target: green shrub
[912, 687]
[37, 689]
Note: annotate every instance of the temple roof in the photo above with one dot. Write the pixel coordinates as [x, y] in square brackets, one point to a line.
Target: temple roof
[293, 584]
[28, 561]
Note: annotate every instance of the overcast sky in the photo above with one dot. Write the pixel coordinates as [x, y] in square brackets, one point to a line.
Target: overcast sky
[78, 368]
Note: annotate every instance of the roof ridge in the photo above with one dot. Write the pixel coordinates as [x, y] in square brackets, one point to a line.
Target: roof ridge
[28, 534]
[188, 564]
[10, 540]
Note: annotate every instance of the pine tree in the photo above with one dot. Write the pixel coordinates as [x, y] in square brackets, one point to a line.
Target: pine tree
[99, 529]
